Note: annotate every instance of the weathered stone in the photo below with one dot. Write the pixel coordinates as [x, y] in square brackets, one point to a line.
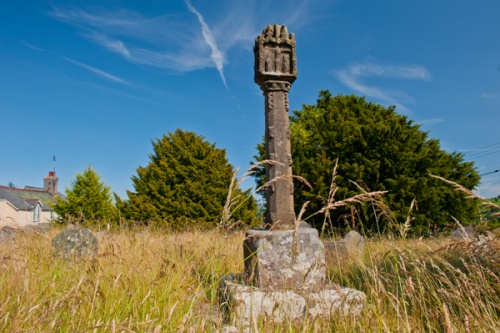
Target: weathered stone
[230, 329]
[467, 232]
[275, 71]
[100, 235]
[351, 245]
[335, 299]
[43, 228]
[303, 224]
[354, 240]
[7, 234]
[39, 228]
[247, 302]
[275, 56]
[29, 229]
[75, 242]
[285, 271]
[292, 259]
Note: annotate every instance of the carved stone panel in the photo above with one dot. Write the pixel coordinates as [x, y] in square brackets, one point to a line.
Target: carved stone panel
[275, 55]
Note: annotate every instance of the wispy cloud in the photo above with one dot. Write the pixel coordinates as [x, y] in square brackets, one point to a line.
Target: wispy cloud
[164, 41]
[97, 71]
[431, 121]
[216, 55]
[118, 18]
[353, 76]
[174, 40]
[33, 47]
[391, 71]
[181, 62]
[489, 96]
[123, 94]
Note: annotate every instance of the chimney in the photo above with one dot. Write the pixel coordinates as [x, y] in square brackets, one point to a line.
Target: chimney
[50, 183]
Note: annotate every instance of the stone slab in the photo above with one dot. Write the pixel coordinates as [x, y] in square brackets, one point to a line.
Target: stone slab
[284, 259]
[242, 304]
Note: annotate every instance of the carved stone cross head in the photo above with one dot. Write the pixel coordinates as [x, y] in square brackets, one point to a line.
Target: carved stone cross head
[275, 55]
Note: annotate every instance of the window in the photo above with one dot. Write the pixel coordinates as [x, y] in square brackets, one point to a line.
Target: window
[36, 212]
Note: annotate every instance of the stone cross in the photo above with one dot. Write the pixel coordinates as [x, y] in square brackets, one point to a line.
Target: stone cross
[275, 71]
[285, 272]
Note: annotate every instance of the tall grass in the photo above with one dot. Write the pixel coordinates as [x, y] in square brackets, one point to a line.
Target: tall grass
[427, 286]
[139, 282]
[151, 281]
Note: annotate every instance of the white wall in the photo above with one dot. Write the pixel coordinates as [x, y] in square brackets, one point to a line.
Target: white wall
[15, 218]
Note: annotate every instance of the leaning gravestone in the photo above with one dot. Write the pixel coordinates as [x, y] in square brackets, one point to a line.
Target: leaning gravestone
[284, 276]
[75, 243]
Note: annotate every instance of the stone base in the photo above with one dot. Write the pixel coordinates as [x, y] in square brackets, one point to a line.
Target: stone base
[284, 259]
[284, 281]
[242, 305]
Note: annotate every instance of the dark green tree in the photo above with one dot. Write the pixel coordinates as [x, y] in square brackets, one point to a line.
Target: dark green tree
[88, 201]
[378, 150]
[185, 183]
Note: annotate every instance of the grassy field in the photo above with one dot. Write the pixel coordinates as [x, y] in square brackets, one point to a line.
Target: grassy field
[149, 281]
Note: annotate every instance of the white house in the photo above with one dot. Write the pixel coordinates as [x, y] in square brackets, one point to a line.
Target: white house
[30, 205]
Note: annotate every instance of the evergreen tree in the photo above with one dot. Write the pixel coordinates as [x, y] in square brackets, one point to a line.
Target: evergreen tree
[87, 201]
[379, 150]
[186, 182]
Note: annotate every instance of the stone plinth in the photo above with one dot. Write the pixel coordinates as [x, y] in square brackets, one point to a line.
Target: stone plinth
[284, 280]
[284, 259]
[241, 304]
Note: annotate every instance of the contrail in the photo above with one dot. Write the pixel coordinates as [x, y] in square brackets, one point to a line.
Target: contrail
[216, 54]
[97, 71]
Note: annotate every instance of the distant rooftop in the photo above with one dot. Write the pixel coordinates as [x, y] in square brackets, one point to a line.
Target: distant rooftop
[23, 199]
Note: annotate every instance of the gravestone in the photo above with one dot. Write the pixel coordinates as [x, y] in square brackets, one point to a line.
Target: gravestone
[285, 275]
[353, 244]
[7, 234]
[75, 243]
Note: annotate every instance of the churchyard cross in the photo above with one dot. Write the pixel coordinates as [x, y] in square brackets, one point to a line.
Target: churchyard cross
[275, 71]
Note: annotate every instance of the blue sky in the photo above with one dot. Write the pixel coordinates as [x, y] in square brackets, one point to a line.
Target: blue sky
[93, 82]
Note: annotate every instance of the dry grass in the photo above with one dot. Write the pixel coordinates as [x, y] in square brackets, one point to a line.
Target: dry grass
[427, 285]
[153, 281]
[156, 282]
[139, 282]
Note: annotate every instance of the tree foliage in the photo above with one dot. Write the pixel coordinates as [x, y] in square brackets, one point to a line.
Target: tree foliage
[87, 201]
[186, 182]
[377, 150]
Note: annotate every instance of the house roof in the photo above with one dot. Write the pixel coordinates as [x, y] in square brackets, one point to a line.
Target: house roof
[23, 199]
